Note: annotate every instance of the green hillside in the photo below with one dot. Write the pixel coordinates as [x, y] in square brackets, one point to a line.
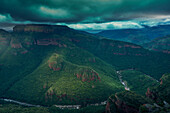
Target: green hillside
[123, 55]
[137, 81]
[48, 65]
[58, 81]
[58, 73]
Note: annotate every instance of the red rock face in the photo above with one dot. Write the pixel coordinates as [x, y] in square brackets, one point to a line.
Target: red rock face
[108, 108]
[28, 43]
[49, 95]
[47, 42]
[24, 52]
[15, 44]
[93, 60]
[166, 51]
[88, 76]
[163, 51]
[161, 82]
[39, 28]
[55, 66]
[121, 54]
[44, 86]
[125, 108]
[3, 41]
[36, 29]
[131, 46]
[151, 94]
[120, 106]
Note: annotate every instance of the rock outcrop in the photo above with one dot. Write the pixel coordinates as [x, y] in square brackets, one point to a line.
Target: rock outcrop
[160, 93]
[88, 75]
[39, 28]
[125, 102]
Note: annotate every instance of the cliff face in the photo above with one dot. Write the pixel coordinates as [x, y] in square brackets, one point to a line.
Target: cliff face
[160, 93]
[151, 94]
[119, 106]
[125, 102]
[39, 28]
[123, 107]
[4, 40]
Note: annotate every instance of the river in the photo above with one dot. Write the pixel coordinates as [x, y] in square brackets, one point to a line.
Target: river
[59, 106]
[122, 82]
[20, 103]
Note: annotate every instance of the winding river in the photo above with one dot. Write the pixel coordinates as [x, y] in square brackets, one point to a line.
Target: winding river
[59, 106]
[20, 103]
[122, 82]
[65, 106]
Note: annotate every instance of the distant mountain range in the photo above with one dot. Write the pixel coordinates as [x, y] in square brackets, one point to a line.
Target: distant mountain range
[161, 44]
[47, 65]
[137, 36]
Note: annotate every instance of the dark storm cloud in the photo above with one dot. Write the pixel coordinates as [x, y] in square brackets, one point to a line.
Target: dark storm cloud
[73, 11]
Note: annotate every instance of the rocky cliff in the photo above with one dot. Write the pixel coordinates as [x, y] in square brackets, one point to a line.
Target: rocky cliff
[39, 28]
[125, 102]
[161, 92]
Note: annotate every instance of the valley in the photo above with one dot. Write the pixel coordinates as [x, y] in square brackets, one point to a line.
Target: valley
[123, 83]
[84, 56]
[52, 65]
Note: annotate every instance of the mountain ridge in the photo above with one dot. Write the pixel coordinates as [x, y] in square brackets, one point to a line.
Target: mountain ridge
[68, 66]
[42, 28]
[137, 36]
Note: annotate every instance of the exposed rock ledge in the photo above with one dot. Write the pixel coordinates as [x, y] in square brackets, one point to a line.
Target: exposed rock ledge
[41, 28]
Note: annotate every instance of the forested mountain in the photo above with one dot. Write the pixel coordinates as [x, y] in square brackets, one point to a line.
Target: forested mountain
[48, 65]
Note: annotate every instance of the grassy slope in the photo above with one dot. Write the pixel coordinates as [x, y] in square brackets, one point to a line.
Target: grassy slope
[46, 86]
[14, 67]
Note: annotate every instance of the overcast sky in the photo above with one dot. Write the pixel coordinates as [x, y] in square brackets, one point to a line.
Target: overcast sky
[85, 14]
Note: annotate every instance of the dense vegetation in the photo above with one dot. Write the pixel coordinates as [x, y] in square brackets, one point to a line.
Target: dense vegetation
[12, 108]
[161, 92]
[124, 55]
[137, 81]
[126, 102]
[47, 69]
[156, 100]
[48, 65]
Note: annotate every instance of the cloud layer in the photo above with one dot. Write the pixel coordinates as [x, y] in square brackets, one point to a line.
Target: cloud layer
[126, 24]
[79, 11]
[71, 11]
